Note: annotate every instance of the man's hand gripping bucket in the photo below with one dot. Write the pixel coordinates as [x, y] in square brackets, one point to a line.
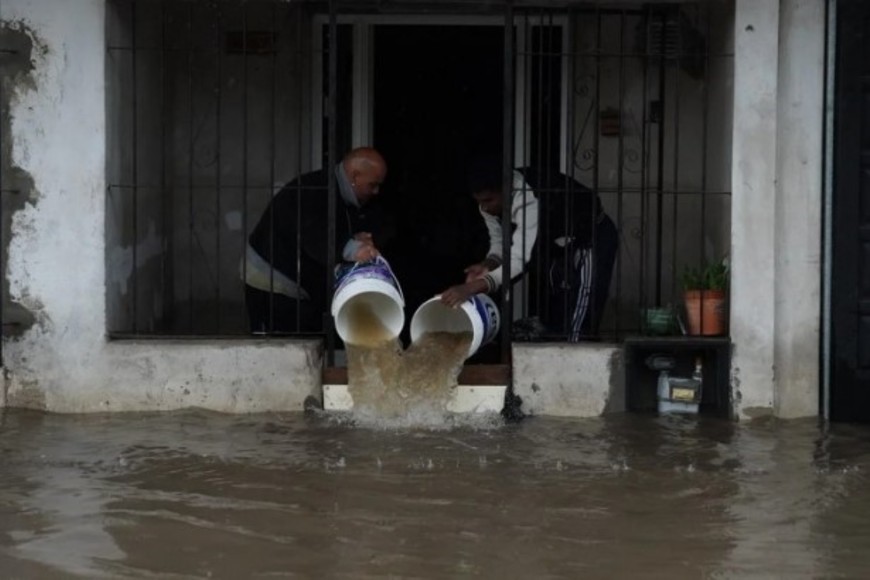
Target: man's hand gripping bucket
[477, 315]
[368, 294]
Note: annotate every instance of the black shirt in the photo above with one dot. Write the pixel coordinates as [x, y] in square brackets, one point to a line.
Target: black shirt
[295, 227]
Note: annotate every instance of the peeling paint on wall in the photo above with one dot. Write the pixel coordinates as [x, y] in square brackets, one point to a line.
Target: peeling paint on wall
[19, 47]
[26, 394]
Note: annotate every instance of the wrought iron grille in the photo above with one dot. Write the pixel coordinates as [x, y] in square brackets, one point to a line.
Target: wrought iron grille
[215, 105]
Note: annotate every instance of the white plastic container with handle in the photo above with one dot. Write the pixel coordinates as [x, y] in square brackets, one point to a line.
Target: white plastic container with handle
[371, 284]
[477, 315]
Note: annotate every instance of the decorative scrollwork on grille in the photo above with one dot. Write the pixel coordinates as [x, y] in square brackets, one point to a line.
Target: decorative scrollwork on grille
[632, 161]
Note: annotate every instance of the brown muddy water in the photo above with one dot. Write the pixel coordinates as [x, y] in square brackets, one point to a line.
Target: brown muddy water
[200, 495]
[407, 387]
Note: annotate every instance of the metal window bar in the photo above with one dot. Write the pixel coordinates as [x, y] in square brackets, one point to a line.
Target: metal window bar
[217, 156]
[333, 160]
[507, 173]
[167, 278]
[620, 186]
[596, 179]
[705, 104]
[191, 225]
[676, 174]
[570, 109]
[135, 173]
[644, 172]
[299, 148]
[659, 19]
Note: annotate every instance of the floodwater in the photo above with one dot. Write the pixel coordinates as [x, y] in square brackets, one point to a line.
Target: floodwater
[200, 495]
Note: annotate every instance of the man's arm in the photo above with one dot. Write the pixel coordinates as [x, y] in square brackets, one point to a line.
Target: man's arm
[456, 295]
[493, 257]
[524, 213]
[493, 226]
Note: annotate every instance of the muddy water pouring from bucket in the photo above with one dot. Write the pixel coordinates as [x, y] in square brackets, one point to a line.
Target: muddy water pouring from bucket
[478, 317]
[392, 387]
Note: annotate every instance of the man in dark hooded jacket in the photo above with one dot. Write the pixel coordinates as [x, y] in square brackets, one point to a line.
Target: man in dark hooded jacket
[286, 262]
[560, 231]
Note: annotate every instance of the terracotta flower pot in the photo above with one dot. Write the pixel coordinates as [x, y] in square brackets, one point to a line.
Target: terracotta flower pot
[706, 312]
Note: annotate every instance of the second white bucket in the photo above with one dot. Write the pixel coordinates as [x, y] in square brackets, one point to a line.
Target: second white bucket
[478, 315]
[372, 284]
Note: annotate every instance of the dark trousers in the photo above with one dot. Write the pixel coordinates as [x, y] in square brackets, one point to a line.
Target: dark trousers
[270, 312]
[579, 292]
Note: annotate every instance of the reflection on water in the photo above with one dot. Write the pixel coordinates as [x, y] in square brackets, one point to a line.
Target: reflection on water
[196, 494]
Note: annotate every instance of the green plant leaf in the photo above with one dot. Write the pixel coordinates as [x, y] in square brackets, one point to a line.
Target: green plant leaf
[709, 276]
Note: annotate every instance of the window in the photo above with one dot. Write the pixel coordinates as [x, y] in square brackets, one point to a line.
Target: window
[215, 105]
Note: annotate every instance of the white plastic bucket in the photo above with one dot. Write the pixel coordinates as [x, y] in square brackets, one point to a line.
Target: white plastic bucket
[372, 284]
[477, 315]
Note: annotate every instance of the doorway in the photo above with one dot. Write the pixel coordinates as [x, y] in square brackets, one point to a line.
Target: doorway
[850, 251]
[438, 95]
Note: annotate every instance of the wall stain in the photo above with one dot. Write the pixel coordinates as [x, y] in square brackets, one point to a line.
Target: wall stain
[756, 413]
[19, 46]
[26, 395]
[616, 394]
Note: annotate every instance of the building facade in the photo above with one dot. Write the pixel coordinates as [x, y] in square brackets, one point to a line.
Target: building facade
[123, 225]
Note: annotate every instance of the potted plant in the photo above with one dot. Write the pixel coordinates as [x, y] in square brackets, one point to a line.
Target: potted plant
[705, 291]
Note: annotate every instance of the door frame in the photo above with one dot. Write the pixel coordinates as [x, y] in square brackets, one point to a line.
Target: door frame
[362, 132]
[828, 205]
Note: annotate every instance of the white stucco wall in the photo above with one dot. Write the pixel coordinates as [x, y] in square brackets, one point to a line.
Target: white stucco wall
[776, 206]
[569, 380]
[799, 206]
[56, 264]
[753, 205]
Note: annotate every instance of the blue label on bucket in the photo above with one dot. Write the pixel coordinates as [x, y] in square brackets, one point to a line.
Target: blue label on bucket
[488, 314]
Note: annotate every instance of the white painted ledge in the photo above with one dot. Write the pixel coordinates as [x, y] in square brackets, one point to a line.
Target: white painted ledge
[466, 399]
[569, 380]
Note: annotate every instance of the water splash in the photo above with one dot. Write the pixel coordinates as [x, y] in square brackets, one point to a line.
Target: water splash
[406, 389]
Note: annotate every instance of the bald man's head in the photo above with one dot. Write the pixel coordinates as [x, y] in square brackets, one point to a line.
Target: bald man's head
[366, 170]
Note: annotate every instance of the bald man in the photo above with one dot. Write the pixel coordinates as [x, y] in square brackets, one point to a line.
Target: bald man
[286, 262]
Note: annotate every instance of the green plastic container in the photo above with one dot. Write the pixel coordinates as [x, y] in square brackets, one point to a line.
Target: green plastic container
[659, 321]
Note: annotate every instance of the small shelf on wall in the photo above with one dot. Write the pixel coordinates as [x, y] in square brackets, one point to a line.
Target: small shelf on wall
[641, 381]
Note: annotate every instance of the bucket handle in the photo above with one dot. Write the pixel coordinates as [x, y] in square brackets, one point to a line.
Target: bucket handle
[382, 261]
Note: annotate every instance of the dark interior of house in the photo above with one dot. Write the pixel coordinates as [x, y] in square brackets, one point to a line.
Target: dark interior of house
[438, 103]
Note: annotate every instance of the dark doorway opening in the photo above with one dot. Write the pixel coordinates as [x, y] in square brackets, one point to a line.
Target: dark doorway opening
[850, 283]
[437, 104]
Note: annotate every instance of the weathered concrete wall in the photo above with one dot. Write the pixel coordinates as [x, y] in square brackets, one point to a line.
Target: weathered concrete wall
[569, 380]
[17, 77]
[56, 261]
[753, 205]
[776, 208]
[799, 206]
